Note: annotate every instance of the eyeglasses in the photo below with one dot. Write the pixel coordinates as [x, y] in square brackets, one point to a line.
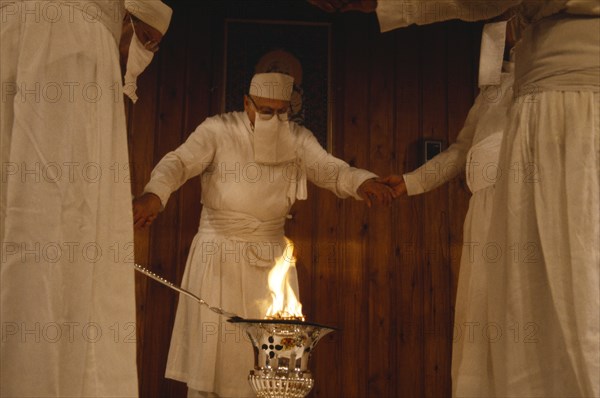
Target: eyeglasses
[265, 113]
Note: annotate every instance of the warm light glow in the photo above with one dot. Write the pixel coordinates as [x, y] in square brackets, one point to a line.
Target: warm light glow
[285, 303]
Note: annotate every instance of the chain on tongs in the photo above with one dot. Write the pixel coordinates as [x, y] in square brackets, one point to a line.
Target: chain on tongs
[165, 282]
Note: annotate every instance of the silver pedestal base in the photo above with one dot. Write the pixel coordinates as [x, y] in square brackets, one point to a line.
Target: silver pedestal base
[271, 384]
[282, 349]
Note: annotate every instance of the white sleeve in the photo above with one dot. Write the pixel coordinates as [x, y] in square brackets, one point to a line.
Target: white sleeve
[329, 172]
[393, 14]
[583, 7]
[185, 162]
[450, 162]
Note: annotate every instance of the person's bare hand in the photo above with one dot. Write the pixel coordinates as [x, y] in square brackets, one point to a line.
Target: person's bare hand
[365, 6]
[328, 5]
[145, 210]
[372, 191]
[396, 183]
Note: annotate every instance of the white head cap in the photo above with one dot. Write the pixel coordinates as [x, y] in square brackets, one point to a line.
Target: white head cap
[275, 86]
[153, 12]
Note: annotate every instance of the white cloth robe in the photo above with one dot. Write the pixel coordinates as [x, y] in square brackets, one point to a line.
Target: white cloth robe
[67, 285]
[543, 280]
[230, 257]
[476, 150]
[486, 117]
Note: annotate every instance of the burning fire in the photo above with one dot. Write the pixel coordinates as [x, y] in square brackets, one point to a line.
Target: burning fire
[285, 303]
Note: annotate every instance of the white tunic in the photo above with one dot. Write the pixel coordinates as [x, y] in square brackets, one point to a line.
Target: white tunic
[476, 150]
[486, 119]
[544, 262]
[240, 234]
[67, 288]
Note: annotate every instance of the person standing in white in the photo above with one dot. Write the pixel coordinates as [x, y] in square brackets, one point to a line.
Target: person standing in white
[476, 151]
[254, 165]
[67, 304]
[544, 280]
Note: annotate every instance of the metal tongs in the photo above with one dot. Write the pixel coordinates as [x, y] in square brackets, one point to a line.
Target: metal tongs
[165, 282]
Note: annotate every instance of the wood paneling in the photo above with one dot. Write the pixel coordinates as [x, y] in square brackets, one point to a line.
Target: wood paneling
[435, 216]
[407, 293]
[354, 220]
[385, 276]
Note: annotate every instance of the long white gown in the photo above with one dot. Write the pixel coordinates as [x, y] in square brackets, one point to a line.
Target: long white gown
[546, 285]
[245, 204]
[476, 151]
[67, 288]
[544, 270]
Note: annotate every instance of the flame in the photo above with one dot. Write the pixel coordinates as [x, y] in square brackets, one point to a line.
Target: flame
[285, 303]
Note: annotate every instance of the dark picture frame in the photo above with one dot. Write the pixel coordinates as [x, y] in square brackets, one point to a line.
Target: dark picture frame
[302, 49]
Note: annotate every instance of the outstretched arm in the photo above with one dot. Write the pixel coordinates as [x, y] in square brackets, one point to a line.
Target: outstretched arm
[393, 14]
[329, 172]
[345, 5]
[189, 160]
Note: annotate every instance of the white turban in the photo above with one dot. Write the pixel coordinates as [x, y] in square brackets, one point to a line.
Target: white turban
[153, 12]
[275, 86]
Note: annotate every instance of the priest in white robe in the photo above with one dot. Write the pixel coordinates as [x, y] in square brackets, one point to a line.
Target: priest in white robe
[475, 152]
[254, 165]
[67, 304]
[544, 280]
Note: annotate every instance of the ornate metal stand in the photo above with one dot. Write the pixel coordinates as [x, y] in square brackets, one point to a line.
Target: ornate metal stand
[282, 349]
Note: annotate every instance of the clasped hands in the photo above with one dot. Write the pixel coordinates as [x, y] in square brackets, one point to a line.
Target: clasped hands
[365, 6]
[382, 190]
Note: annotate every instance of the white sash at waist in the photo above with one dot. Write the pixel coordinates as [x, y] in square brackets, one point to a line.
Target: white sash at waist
[240, 226]
[558, 53]
[482, 162]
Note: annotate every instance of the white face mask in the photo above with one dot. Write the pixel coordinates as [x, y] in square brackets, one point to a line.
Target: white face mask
[491, 56]
[270, 139]
[139, 58]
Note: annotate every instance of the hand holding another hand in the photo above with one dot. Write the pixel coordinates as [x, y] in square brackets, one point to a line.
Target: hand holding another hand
[373, 191]
[396, 183]
[365, 6]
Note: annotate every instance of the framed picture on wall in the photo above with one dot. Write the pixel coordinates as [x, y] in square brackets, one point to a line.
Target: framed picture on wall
[300, 49]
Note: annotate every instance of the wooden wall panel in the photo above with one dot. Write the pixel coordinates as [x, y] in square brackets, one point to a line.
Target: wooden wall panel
[407, 293]
[435, 217]
[327, 289]
[354, 221]
[381, 263]
[385, 276]
[327, 253]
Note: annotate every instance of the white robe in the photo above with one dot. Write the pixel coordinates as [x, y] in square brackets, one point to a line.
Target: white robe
[241, 232]
[544, 267]
[67, 288]
[476, 150]
[546, 284]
